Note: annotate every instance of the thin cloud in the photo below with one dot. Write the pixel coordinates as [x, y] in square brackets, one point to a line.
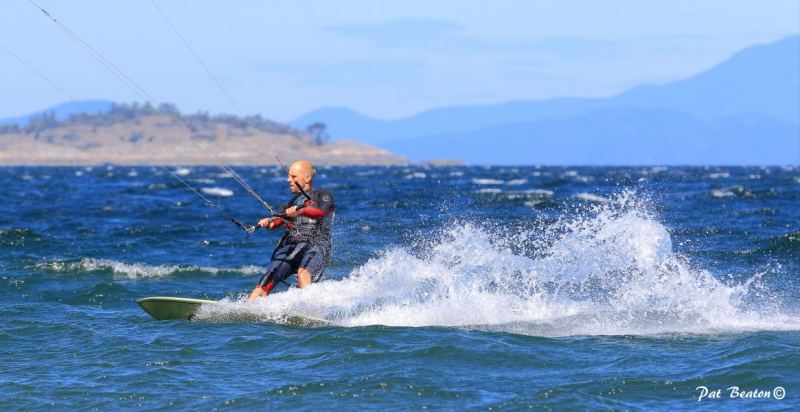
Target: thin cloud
[402, 33]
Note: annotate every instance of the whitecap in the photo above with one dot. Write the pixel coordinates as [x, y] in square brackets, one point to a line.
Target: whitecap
[128, 270]
[540, 192]
[516, 182]
[182, 171]
[217, 191]
[589, 197]
[719, 193]
[416, 175]
[719, 175]
[488, 191]
[485, 181]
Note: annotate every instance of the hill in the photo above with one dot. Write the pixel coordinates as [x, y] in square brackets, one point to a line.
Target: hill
[133, 134]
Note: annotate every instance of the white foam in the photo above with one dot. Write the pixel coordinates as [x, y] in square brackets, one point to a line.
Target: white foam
[719, 175]
[487, 181]
[416, 175]
[611, 270]
[731, 191]
[182, 171]
[126, 270]
[588, 197]
[540, 192]
[517, 182]
[217, 191]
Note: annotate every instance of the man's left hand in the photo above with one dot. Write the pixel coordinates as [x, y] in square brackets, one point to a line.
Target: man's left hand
[292, 211]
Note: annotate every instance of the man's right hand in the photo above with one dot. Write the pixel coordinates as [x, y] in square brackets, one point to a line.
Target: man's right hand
[266, 222]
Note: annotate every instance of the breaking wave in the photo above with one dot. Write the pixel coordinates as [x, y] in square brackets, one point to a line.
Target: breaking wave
[125, 270]
[610, 271]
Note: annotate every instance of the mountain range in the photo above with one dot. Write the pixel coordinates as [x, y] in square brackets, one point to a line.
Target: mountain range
[745, 110]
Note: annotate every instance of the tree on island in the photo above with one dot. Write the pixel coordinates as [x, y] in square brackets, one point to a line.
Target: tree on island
[318, 131]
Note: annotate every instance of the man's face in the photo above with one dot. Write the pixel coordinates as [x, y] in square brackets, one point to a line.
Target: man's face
[298, 176]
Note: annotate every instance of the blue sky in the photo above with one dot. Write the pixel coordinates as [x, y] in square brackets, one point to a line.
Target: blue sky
[282, 59]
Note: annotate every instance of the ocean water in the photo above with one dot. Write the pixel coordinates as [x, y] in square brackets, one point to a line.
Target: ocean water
[450, 288]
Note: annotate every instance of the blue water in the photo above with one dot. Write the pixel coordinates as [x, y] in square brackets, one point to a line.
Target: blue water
[450, 288]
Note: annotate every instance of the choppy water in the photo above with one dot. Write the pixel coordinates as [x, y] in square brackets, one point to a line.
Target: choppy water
[451, 288]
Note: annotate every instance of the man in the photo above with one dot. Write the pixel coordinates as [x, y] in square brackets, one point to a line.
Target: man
[305, 247]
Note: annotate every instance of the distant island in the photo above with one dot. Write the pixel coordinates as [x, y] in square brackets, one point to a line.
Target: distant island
[134, 134]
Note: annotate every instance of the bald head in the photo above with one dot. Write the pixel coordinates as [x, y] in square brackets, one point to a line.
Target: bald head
[302, 172]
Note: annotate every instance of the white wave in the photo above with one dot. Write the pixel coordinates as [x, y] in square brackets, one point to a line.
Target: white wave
[719, 175]
[540, 192]
[517, 182]
[534, 202]
[126, 270]
[455, 174]
[217, 191]
[488, 190]
[483, 181]
[182, 171]
[731, 191]
[416, 175]
[588, 197]
[609, 272]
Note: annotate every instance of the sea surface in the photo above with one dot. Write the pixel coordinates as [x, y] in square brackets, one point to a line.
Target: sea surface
[502, 288]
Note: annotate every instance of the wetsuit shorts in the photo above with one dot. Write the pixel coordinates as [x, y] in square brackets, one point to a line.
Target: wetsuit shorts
[287, 259]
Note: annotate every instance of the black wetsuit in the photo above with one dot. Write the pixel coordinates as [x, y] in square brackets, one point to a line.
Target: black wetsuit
[307, 241]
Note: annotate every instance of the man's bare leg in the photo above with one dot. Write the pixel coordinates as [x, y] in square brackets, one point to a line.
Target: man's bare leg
[303, 278]
[257, 293]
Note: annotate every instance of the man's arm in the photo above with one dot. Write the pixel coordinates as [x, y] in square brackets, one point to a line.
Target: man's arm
[321, 205]
[274, 222]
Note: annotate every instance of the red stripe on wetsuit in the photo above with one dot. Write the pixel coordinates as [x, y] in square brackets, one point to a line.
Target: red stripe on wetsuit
[309, 212]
